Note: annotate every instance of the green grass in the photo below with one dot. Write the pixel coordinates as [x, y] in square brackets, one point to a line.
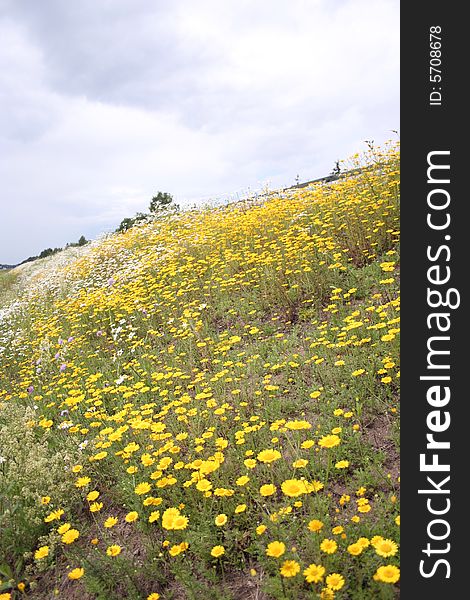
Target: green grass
[200, 340]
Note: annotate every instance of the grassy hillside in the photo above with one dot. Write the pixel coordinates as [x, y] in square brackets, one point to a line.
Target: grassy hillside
[208, 404]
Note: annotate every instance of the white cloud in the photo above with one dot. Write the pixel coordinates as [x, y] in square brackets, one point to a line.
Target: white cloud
[104, 103]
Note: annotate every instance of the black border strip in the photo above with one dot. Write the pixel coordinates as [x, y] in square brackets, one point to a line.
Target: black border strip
[431, 128]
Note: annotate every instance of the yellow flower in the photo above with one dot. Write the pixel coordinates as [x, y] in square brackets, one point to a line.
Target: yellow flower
[329, 441]
[355, 519]
[376, 539]
[298, 425]
[240, 508]
[173, 519]
[70, 536]
[45, 500]
[54, 515]
[269, 456]
[337, 530]
[314, 486]
[314, 573]
[386, 548]
[92, 495]
[220, 520]
[82, 482]
[131, 516]
[335, 581]
[289, 568]
[113, 550]
[275, 549]
[143, 488]
[217, 551]
[98, 456]
[154, 516]
[355, 549]
[243, 480]
[315, 525]
[96, 506]
[267, 490]
[63, 528]
[260, 529]
[342, 464]
[204, 485]
[180, 522]
[41, 552]
[153, 596]
[250, 463]
[300, 463]
[387, 574]
[294, 487]
[151, 501]
[110, 522]
[328, 546]
[358, 372]
[177, 549]
[5, 596]
[169, 516]
[397, 520]
[76, 573]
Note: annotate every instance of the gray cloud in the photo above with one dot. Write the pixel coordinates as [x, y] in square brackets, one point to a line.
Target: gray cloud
[104, 102]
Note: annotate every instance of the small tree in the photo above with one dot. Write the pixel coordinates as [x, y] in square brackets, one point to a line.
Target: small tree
[161, 201]
[48, 252]
[126, 224]
[82, 240]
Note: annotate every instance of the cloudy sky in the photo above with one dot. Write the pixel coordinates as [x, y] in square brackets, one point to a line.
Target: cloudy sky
[105, 102]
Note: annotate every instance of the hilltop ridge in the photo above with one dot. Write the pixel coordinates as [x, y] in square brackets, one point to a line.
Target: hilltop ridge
[208, 403]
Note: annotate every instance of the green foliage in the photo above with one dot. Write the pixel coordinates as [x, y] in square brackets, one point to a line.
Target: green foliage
[48, 252]
[129, 222]
[251, 316]
[162, 201]
[8, 281]
[51, 251]
[31, 465]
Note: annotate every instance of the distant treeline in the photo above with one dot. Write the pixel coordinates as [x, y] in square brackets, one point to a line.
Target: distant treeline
[50, 251]
[160, 204]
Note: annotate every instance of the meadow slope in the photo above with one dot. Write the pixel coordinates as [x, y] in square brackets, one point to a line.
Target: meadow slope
[207, 404]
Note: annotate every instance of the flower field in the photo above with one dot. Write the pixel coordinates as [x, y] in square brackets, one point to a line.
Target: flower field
[207, 404]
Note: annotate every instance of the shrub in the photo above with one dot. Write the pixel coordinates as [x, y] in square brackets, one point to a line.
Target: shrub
[32, 467]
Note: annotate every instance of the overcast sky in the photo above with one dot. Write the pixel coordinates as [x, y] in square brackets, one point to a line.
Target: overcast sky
[105, 102]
